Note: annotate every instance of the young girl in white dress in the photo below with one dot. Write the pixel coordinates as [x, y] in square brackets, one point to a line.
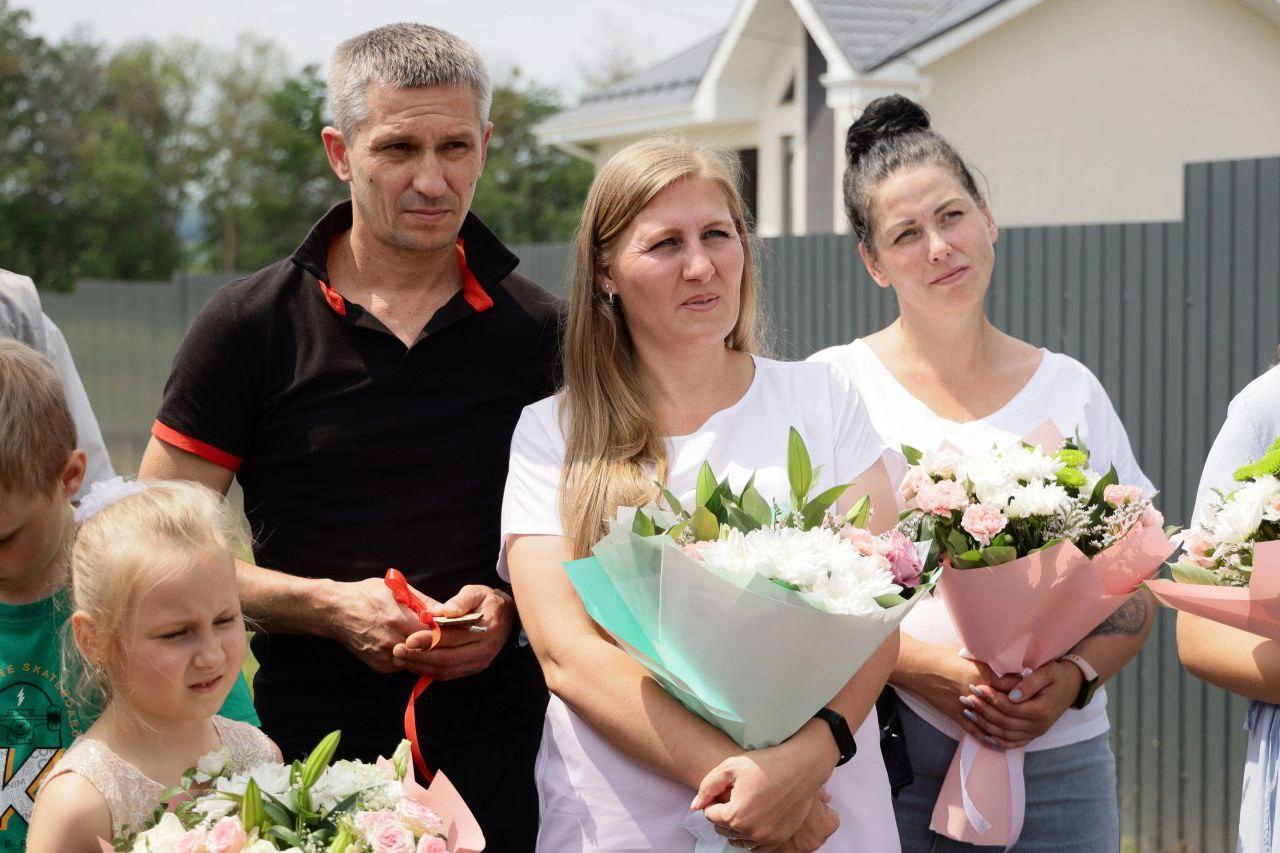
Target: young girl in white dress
[659, 375]
[943, 372]
[160, 640]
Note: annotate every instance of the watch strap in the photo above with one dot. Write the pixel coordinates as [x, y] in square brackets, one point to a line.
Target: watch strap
[840, 731]
[1090, 684]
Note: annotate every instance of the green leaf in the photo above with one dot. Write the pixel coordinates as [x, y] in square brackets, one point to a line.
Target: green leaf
[740, 520]
[706, 527]
[860, 513]
[642, 525]
[170, 793]
[252, 815]
[676, 529]
[785, 584]
[890, 599]
[913, 456]
[341, 841]
[673, 503]
[319, 759]
[1191, 573]
[288, 836]
[957, 542]
[706, 485]
[1046, 546]
[799, 468]
[827, 499]
[996, 554]
[277, 813]
[756, 506]
[346, 803]
[1001, 541]
[1111, 478]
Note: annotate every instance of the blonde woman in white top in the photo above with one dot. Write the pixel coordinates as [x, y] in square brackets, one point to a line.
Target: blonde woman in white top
[660, 373]
[942, 371]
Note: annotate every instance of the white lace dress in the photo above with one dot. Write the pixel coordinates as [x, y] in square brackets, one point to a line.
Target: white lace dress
[131, 795]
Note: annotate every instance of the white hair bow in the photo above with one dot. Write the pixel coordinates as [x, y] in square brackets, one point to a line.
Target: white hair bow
[103, 494]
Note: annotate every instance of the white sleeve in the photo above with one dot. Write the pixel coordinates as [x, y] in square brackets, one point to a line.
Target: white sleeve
[1109, 442]
[1238, 443]
[531, 500]
[857, 443]
[88, 433]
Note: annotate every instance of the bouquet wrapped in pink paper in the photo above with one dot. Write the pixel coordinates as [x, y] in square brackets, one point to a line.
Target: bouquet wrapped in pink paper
[1230, 568]
[316, 805]
[1057, 548]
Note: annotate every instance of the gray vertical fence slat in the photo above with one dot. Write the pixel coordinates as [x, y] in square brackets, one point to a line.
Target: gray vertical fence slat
[1173, 317]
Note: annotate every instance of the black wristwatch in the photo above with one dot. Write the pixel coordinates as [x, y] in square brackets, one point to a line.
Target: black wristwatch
[1089, 686]
[840, 731]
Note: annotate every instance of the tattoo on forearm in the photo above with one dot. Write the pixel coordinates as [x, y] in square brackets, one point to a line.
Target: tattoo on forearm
[1129, 618]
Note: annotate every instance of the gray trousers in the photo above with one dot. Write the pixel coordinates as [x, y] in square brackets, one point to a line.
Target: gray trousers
[1071, 795]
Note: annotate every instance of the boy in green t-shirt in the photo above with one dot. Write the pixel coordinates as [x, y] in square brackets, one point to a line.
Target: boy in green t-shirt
[40, 470]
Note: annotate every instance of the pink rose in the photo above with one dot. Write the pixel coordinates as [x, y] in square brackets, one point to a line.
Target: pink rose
[917, 478]
[861, 539]
[1152, 517]
[391, 836]
[419, 818]
[227, 836]
[904, 559]
[368, 822]
[192, 841]
[942, 498]
[983, 522]
[1121, 495]
[432, 844]
[1198, 547]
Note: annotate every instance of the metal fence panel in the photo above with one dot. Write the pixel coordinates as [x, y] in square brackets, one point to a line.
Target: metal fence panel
[1173, 317]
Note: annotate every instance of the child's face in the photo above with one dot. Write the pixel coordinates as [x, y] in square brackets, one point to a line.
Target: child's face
[33, 529]
[184, 649]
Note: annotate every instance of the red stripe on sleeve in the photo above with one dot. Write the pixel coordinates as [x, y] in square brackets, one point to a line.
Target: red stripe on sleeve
[208, 452]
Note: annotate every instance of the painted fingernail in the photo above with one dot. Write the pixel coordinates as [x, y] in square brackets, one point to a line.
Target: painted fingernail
[1027, 672]
[966, 701]
[1016, 695]
[992, 742]
[973, 688]
[970, 716]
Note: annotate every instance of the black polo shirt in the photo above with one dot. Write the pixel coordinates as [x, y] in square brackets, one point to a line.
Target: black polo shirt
[357, 454]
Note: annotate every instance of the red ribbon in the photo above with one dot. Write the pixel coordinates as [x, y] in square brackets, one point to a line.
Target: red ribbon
[399, 587]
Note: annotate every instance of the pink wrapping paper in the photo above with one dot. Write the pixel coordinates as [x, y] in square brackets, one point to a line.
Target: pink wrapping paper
[462, 832]
[1255, 608]
[1047, 602]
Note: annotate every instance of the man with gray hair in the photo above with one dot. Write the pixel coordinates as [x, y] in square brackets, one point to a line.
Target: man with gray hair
[364, 392]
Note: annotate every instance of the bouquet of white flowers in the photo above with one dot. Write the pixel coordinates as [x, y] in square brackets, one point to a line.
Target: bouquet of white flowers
[316, 806]
[1057, 548]
[1230, 567]
[719, 601]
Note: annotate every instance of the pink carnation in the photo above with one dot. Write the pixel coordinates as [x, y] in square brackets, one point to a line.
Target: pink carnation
[1152, 517]
[431, 844]
[192, 841]
[917, 478]
[1198, 548]
[942, 498]
[862, 539]
[227, 836]
[983, 522]
[419, 818]
[1121, 495]
[904, 559]
[391, 836]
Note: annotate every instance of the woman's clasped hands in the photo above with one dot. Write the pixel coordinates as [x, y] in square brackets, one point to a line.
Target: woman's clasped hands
[772, 800]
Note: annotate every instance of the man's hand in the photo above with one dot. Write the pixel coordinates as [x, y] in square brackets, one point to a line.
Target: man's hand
[461, 651]
[367, 620]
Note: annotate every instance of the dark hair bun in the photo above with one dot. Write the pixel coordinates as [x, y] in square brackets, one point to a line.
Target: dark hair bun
[891, 115]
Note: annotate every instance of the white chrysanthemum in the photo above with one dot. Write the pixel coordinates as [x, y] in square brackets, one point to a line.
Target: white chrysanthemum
[942, 463]
[1037, 498]
[1091, 478]
[344, 778]
[1030, 464]
[829, 571]
[989, 478]
[1239, 516]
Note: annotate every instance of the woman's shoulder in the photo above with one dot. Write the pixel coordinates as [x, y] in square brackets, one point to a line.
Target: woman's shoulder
[1262, 395]
[848, 357]
[249, 745]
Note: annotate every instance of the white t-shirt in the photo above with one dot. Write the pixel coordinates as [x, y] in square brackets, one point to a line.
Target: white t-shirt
[1253, 422]
[591, 796]
[1063, 391]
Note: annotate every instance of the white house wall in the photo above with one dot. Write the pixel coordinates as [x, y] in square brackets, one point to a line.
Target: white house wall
[1086, 110]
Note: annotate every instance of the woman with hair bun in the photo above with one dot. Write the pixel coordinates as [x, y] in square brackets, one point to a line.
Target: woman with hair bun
[943, 372]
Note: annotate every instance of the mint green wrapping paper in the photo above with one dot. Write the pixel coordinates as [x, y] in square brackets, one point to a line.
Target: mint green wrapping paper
[747, 655]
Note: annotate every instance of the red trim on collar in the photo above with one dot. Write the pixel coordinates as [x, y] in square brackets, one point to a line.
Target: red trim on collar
[472, 291]
[208, 452]
[334, 298]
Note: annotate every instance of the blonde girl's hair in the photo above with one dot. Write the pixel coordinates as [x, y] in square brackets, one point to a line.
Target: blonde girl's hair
[615, 448]
[125, 550]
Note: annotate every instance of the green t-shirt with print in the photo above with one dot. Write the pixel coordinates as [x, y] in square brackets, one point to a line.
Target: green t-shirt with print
[38, 718]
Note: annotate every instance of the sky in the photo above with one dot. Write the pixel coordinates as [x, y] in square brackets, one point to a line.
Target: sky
[549, 40]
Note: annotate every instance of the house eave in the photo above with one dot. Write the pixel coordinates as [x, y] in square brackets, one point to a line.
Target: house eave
[556, 131]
